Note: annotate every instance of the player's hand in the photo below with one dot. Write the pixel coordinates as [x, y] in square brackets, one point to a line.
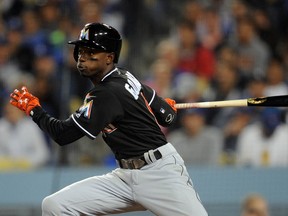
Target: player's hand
[172, 103]
[24, 100]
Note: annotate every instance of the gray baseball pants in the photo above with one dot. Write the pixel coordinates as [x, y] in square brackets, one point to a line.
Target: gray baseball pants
[163, 187]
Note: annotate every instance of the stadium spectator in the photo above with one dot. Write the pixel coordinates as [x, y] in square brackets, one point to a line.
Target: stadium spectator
[239, 9]
[22, 144]
[196, 142]
[209, 29]
[10, 74]
[264, 143]
[168, 50]
[161, 79]
[252, 53]
[34, 36]
[188, 87]
[254, 205]
[227, 55]
[265, 29]
[223, 88]
[238, 121]
[194, 57]
[275, 79]
[47, 83]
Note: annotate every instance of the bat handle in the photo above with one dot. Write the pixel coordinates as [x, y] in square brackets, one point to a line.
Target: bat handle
[186, 105]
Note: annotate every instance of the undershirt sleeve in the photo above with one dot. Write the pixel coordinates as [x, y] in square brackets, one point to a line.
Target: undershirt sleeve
[61, 131]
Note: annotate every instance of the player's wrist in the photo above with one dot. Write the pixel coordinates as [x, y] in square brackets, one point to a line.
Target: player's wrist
[172, 103]
[36, 113]
[31, 111]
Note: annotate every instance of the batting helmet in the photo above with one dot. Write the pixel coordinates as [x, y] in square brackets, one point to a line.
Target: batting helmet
[99, 36]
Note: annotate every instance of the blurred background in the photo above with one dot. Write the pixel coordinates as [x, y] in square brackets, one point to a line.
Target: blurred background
[187, 50]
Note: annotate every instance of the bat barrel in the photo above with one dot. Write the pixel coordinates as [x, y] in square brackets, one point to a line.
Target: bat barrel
[272, 101]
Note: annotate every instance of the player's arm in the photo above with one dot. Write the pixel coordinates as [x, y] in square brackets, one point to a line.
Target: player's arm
[62, 131]
[163, 109]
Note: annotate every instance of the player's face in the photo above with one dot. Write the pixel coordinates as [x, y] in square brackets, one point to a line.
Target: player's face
[93, 63]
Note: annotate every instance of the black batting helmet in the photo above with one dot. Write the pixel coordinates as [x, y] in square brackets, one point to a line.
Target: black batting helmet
[99, 36]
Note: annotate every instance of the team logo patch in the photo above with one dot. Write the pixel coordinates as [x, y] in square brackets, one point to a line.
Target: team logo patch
[85, 110]
[169, 118]
[84, 35]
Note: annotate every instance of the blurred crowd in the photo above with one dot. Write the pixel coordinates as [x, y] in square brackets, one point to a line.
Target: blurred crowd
[187, 50]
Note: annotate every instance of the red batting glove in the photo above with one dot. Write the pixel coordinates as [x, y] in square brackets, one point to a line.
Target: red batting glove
[172, 103]
[24, 100]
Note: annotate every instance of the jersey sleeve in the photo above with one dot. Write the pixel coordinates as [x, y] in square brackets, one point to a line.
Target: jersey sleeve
[100, 109]
[163, 112]
[61, 131]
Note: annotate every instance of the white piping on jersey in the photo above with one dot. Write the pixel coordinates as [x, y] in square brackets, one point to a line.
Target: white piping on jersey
[153, 96]
[87, 132]
[109, 74]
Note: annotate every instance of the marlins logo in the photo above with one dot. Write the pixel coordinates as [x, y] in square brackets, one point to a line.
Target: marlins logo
[85, 110]
[84, 35]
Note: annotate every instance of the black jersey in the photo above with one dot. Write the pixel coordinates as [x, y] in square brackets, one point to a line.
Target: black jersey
[120, 107]
[126, 112]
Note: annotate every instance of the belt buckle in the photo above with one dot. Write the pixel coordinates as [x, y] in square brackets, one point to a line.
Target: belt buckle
[132, 163]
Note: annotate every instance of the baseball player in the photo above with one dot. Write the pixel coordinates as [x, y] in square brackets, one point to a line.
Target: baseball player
[151, 174]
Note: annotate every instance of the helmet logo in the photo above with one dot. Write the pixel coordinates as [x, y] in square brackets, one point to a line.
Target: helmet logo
[84, 35]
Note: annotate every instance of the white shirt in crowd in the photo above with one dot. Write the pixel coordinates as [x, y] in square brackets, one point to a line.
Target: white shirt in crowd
[23, 141]
[256, 150]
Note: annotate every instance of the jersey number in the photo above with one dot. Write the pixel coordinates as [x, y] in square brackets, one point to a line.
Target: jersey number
[133, 86]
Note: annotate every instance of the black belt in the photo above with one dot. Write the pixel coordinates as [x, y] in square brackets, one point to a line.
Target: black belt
[137, 163]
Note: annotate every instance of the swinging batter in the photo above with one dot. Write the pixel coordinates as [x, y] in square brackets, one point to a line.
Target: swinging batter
[151, 174]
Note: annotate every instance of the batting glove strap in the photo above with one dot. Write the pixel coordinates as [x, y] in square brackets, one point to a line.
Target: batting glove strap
[37, 113]
[24, 100]
[172, 103]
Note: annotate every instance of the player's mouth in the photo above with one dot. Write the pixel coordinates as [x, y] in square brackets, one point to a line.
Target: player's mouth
[82, 69]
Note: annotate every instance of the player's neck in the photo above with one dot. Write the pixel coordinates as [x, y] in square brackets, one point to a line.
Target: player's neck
[97, 79]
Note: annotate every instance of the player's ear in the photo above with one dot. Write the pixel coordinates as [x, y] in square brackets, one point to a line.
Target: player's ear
[110, 58]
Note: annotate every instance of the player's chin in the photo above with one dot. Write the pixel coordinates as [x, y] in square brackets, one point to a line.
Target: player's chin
[86, 74]
[83, 75]
[83, 72]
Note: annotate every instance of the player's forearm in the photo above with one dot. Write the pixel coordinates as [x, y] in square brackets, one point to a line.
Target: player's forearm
[61, 131]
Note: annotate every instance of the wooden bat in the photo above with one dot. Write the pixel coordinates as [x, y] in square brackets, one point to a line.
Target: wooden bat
[272, 101]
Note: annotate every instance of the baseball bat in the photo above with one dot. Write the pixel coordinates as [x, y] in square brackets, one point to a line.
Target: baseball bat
[272, 101]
